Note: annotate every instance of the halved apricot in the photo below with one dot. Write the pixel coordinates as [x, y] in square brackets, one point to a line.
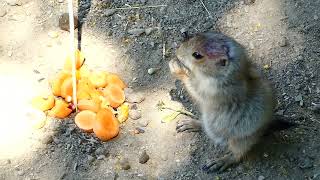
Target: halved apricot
[113, 79]
[66, 89]
[114, 95]
[57, 82]
[85, 120]
[88, 104]
[106, 126]
[60, 109]
[123, 112]
[79, 61]
[99, 79]
[43, 103]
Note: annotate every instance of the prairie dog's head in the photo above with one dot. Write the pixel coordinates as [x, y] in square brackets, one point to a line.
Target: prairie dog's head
[212, 55]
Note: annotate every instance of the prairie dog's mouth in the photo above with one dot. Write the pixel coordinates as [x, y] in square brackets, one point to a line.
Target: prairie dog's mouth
[188, 71]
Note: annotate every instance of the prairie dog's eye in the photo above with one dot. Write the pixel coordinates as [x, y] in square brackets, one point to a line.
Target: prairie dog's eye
[197, 55]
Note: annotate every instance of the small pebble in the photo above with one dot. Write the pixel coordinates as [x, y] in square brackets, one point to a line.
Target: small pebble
[3, 11]
[164, 157]
[100, 151]
[135, 114]
[60, 1]
[75, 166]
[124, 163]
[144, 157]
[248, 2]
[53, 34]
[64, 21]
[283, 42]
[152, 44]
[135, 97]
[261, 178]
[10, 53]
[315, 107]
[152, 70]
[90, 159]
[183, 30]
[298, 98]
[136, 32]
[133, 106]
[20, 173]
[101, 157]
[109, 12]
[14, 2]
[149, 30]
[47, 140]
[139, 130]
[315, 17]
[143, 123]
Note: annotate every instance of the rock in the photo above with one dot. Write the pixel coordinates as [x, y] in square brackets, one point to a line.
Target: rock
[315, 107]
[306, 164]
[283, 42]
[3, 11]
[135, 114]
[183, 30]
[100, 151]
[164, 157]
[143, 123]
[152, 44]
[8, 161]
[261, 178]
[315, 17]
[133, 106]
[90, 159]
[47, 140]
[20, 173]
[280, 112]
[248, 2]
[135, 97]
[53, 34]
[152, 70]
[10, 53]
[149, 30]
[64, 21]
[124, 164]
[139, 130]
[75, 166]
[14, 2]
[56, 140]
[101, 157]
[299, 99]
[109, 12]
[136, 32]
[144, 157]
[60, 1]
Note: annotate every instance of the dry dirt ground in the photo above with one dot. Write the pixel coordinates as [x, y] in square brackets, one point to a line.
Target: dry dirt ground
[283, 34]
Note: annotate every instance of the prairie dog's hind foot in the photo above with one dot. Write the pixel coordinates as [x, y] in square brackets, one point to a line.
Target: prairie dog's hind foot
[220, 164]
[188, 125]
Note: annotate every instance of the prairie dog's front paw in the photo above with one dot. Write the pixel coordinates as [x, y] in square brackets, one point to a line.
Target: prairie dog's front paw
[177, 69]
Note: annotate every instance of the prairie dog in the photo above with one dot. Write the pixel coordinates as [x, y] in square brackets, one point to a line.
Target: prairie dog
[236, 103]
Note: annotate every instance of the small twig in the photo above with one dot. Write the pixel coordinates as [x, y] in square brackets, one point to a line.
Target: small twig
[141, 7]
[162, 106]
[206, 9]
[182, 111]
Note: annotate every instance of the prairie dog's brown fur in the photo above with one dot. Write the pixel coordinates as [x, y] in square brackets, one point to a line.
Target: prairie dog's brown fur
[236, 103]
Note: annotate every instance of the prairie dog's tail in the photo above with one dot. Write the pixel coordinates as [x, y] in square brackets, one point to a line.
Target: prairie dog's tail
[280, 123]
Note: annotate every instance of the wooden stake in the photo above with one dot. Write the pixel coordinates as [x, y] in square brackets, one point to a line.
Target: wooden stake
[72, 50]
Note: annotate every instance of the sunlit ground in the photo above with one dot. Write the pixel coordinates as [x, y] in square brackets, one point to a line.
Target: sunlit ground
[16, 90]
